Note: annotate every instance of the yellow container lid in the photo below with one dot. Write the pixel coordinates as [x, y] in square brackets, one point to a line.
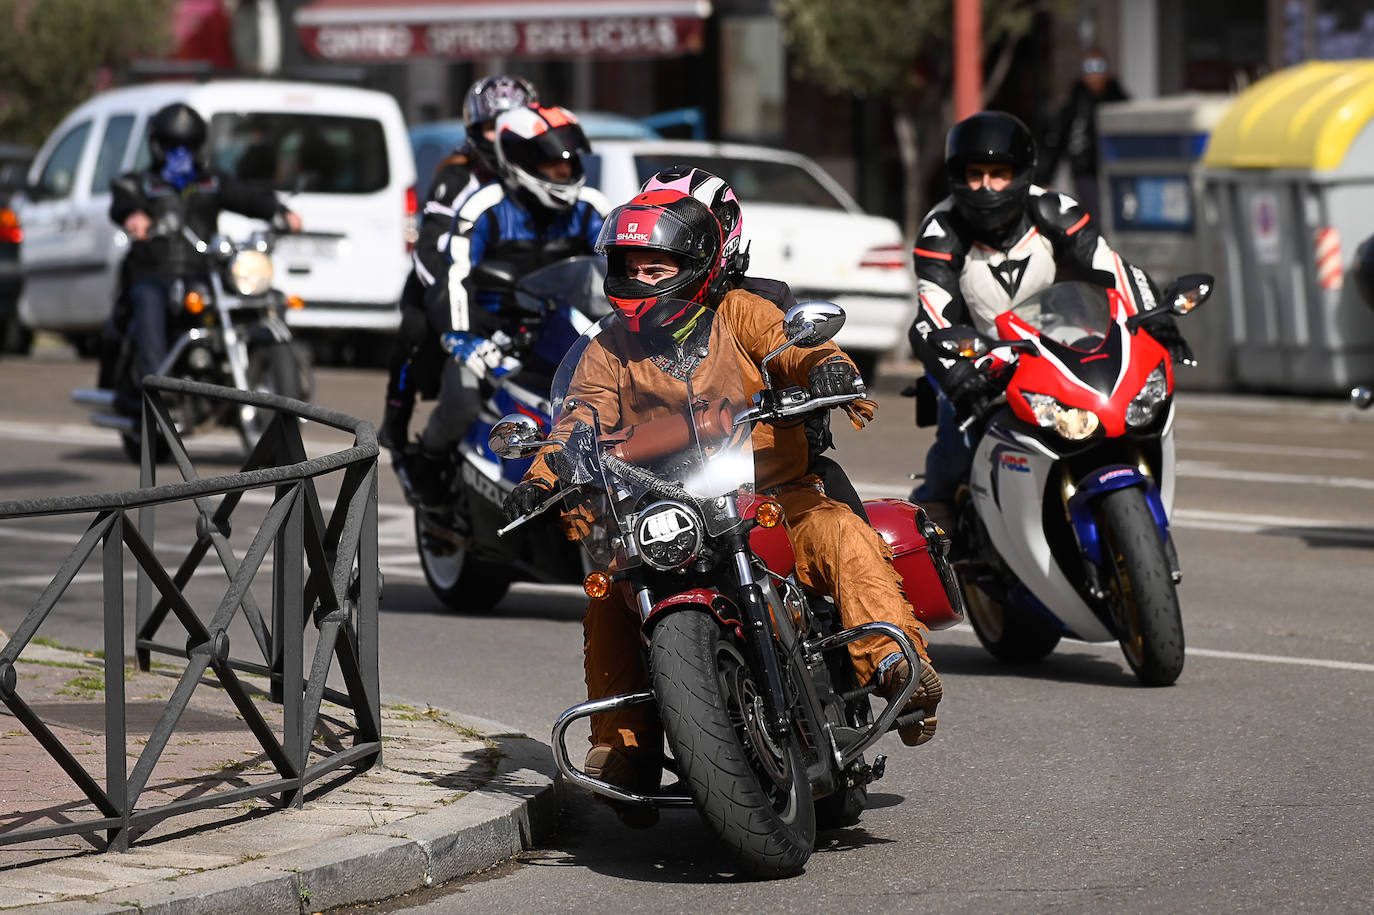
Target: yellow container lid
[1302, 117]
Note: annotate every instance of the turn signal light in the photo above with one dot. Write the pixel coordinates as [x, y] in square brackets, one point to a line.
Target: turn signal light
[295, 302]
[769, 514]
[194, 303]
[597, 585]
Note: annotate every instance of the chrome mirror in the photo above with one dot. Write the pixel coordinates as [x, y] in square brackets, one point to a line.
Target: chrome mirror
[809, 324]
[515, 436]
[1361, 397]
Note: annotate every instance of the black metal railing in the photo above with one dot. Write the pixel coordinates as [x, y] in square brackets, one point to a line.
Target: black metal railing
[324, 571]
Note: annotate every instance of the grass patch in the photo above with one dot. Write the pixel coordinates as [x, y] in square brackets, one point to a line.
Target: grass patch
[85, 687]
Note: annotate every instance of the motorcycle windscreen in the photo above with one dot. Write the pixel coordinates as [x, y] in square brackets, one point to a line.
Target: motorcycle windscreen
[649, 415]
[569, 295]
[1078, 315]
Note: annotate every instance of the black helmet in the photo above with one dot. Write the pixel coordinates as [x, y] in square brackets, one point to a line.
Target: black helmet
[175, 125]
[528, 137]
[991, 137]
[676, 223]
[1362, 271]
[485, 100]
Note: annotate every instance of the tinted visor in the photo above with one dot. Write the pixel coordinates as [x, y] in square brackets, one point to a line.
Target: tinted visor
[564, 143]
[645, 226]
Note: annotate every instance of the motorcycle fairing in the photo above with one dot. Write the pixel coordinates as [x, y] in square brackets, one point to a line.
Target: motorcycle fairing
[1101, 481]
[1010, 503]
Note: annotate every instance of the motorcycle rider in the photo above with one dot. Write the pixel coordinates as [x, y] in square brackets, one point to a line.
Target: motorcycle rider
[415, 355]
[994, 241]
[663, 281]
[720, 198]
[178, 189]
[539, 212]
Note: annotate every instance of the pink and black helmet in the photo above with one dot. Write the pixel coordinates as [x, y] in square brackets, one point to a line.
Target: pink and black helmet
[720, 199]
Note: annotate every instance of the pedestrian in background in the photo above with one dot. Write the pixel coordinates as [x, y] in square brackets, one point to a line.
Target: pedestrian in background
[1072, 136]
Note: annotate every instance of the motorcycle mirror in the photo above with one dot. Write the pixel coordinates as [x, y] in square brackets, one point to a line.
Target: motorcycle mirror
[515, 436]
[1189, 291]
[809, 324]
[1361, 397]
[959, 342]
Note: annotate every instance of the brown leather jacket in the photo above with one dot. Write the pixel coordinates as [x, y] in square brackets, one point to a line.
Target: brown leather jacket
[627, 391]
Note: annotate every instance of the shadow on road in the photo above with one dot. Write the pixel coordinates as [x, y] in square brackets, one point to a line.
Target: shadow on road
[1064, 665]
[1345, 537]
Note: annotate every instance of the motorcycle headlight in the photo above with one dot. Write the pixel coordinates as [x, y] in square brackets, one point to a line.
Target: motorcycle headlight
[668, 534]
[250, 273]
[1070, 422]
[1145, 405]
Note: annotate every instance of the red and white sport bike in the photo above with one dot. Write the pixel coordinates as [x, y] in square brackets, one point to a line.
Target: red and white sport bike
[1066, 532]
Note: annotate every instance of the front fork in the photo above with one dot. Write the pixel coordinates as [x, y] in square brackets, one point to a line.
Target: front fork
[1080, 501]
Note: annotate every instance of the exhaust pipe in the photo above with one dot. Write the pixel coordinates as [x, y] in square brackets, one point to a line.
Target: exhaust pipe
[115, 421]
[95, 397]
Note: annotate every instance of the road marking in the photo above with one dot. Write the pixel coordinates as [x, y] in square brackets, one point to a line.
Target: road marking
[1210, 471]
[1344, 454]
[1216, 653]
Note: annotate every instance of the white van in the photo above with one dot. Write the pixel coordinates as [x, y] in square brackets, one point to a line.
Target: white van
[338, 156]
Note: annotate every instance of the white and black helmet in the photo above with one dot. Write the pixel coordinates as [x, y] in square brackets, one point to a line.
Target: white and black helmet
[529, 137]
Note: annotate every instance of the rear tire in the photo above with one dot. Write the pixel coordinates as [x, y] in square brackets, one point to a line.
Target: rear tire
[1144, 600]
[1010, 635]
[752, 793]
[459, 580]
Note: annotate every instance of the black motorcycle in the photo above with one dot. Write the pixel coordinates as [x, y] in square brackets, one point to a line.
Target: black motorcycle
[225, 327]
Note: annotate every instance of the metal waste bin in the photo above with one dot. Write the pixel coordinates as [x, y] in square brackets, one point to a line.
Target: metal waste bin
[1289, 184]
[1149, 151]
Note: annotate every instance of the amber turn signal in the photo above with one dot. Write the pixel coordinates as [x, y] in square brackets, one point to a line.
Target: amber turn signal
[769, 514]
[194, 303]
[295, 302]
[597, 585]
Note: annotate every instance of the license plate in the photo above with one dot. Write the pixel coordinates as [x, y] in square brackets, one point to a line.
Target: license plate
[308, 247]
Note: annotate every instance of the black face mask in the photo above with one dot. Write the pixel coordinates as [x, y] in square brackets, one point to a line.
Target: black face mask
[989, 211]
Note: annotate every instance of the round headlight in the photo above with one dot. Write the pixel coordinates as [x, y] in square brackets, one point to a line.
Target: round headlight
[668, 534]
[251, 273]
[1145, 405]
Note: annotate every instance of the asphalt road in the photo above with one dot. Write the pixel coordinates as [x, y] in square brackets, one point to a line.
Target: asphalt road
[1065, 787]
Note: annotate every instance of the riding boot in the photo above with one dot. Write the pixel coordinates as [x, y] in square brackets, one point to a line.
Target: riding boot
[395, 428]
[429, 476]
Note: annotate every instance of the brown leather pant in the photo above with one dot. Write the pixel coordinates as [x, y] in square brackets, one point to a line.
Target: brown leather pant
[837, 555]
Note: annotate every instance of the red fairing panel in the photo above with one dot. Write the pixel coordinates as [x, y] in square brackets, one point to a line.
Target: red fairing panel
[771, 545]
[925, 589]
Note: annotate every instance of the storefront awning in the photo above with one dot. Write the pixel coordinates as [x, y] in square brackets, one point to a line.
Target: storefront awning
[376, 31]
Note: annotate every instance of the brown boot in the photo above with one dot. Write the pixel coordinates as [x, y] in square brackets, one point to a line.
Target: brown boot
[926, 698]
[610, 765]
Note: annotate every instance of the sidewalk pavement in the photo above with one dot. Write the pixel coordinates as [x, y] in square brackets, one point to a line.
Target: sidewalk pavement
[455, 795]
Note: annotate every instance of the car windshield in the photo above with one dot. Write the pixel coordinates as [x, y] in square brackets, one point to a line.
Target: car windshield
[1077, 315]
[754, 180]
[306, 152]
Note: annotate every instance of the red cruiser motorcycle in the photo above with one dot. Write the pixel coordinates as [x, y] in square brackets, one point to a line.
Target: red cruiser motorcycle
[1066, 532]
[764, 721]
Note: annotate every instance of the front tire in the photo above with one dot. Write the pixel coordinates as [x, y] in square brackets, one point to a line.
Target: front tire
[460, 580]
[1143, 598]
[752, 792]
[273, 369]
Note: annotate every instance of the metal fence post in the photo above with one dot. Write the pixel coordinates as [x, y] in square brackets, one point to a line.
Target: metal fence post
[116, 724]
[288, 613]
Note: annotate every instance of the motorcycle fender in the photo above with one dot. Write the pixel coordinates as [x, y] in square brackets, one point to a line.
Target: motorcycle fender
[708, 600]
[1096, 484]
[1009, 477]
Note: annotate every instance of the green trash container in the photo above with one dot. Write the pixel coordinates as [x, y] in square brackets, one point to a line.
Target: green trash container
[1150, 151]
[1289, 186]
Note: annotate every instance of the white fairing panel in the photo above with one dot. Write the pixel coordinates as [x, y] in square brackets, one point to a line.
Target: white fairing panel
[1009, 475]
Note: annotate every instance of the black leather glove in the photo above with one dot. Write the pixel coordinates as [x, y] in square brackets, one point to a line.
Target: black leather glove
[1165, 330]
[833, 377]
[966, 387]
[525, 498]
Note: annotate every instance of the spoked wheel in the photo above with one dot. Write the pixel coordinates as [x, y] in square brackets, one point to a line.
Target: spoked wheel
[456, 577]
[751, 789]
[1144, 602]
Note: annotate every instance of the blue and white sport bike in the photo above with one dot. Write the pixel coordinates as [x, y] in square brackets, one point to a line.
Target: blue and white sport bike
[465, 564]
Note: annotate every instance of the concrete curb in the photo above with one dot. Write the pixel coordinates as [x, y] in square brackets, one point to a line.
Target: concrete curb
[515, 807]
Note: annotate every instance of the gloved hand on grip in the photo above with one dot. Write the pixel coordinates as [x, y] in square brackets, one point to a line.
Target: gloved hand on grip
[833, 377]
[966, 388]
[1165, 331]
[484, 358]
[525, 497]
